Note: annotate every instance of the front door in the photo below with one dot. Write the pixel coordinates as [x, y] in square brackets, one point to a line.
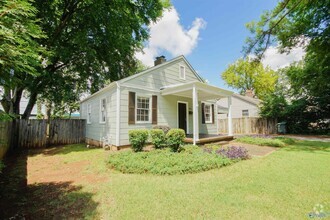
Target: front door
[182, 116]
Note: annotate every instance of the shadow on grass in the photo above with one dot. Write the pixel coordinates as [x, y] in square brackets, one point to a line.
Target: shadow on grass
[59, 200]
[62, 149]
[309, 146]
[13, 182]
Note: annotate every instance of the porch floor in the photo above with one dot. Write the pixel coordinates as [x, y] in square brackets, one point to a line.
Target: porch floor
[208, 138]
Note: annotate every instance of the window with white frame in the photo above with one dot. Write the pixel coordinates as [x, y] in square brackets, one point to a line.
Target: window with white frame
[103, 109]
[142, 109]
[208, 113]
[245, 113]
[182, 72]
[89, 114]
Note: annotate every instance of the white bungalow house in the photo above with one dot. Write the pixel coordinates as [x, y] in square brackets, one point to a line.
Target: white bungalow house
[170, 93]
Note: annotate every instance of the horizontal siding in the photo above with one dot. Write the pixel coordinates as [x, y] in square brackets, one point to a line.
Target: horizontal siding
[164, 76]
[167, 115]
[97, 130]
[237, 106]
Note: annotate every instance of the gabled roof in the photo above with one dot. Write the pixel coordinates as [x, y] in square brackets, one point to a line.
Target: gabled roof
[116, 83]
[162, 65]
[248, 99]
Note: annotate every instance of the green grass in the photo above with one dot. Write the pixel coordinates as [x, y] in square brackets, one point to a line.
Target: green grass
[165, 162]
[273, 142]
[286, 184]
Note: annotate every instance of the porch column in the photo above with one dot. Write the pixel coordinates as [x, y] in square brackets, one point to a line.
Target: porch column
[195, 115]
[230, 122]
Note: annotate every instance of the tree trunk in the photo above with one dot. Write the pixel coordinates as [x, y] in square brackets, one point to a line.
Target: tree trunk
[17, 100]
[29, 107]
[11, 102]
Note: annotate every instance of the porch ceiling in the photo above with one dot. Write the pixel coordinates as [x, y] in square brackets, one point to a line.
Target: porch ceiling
[204, 91]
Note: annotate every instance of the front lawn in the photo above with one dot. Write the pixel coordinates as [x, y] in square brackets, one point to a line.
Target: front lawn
[266, 141]
[286, 184]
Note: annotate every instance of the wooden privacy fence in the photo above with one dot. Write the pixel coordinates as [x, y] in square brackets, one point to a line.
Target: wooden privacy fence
[36, 133]
[249, 125]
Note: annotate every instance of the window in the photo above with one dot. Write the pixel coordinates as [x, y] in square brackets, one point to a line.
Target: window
[103, 109]
[208, 113]
[182, 72]
[89, 114]
[245, 113]
[142, 109]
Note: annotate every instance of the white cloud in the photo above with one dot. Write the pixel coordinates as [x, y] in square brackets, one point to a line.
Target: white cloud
[275, 60]
[169, 35]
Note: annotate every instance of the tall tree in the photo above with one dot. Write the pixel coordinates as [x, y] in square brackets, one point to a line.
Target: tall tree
[20, 54]
[90, 41]
[246, 74]
[297, 23]
[300, 23]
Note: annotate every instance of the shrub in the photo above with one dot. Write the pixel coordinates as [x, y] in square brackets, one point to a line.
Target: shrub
[233, 152]
[174, 138]
[166, 162]
[261, 141]
[189, 149]
[138, 138]
[162, 127]
[158, 138]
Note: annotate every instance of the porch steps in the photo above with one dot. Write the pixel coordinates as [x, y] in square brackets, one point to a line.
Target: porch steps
[208, 140]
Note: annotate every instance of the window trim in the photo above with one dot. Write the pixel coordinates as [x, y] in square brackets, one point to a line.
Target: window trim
[105, 111]
[150, 109]
[184, 72]
[89, 114]
[211, 116]
[248, 113]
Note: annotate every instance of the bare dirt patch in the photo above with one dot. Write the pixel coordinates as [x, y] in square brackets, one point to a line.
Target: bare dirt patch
[49, 167]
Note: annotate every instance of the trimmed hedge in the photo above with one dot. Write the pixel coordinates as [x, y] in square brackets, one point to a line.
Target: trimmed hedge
[158, 138]
[175, 138]
[138, 139]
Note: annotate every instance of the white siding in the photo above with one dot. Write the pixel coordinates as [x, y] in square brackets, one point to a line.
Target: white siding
[96, 130]
[164, 76]
[167, 114]
[237, 106]
[147, 84]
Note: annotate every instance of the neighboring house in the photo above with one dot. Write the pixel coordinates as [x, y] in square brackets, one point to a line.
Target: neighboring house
[170, 93]
[242, 106]
[22, 106]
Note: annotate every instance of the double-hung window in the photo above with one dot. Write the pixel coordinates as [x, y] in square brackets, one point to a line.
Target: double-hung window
[89, 114]
[142, 109]
[103, 109]
[208, 113]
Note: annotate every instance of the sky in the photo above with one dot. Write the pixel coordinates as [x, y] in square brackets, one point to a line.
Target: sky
[211, 35]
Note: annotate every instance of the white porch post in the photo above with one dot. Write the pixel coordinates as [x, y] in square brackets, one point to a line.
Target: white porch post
[195, 115]
[230, 122]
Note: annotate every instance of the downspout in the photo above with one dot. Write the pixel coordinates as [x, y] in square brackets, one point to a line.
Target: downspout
[118, 115]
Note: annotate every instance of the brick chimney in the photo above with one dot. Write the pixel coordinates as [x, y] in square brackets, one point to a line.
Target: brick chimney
[249, 93]
[160, 60]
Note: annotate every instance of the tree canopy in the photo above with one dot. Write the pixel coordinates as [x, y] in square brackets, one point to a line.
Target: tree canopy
[90, 42]
[246, 74]
[290, 24]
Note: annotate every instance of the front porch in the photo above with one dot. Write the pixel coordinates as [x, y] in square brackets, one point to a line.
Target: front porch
[208, 138]
[202, 95]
